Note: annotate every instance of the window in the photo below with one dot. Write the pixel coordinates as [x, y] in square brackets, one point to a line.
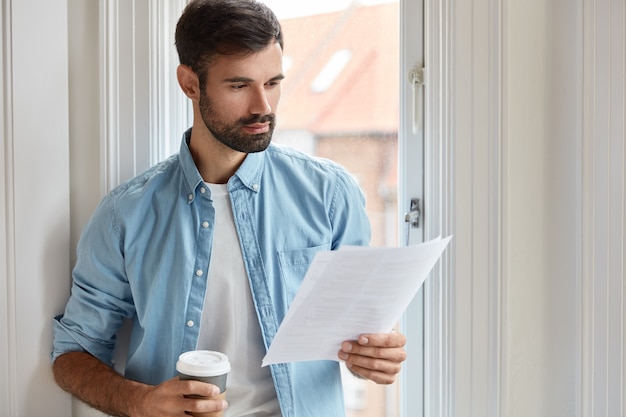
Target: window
[329, 73]
[346, 97]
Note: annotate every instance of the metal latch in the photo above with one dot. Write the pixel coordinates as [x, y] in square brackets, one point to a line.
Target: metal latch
[413, 216]
[416, 78]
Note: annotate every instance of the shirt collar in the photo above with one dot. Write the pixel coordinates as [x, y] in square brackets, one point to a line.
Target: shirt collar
[249, 173]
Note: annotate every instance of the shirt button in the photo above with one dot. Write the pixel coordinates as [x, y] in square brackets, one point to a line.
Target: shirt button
[190, 197]
[255, 187]
[190, 323]
[203, 190]
[199, 272]
[205, 224]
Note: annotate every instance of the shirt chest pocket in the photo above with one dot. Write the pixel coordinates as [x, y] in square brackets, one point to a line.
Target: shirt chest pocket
[293, 266]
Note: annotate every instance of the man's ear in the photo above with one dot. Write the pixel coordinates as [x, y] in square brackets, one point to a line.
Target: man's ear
[188, 81]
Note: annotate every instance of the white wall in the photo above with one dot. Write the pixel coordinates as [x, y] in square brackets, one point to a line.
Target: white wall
[85, 127]
[84, 117]
[34, 202]
[527, 103]
[542, 141]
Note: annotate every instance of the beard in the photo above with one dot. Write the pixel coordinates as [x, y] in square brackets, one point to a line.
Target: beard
[232, 134]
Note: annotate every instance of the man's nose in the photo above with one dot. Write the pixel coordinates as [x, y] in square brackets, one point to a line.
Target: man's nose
[259, 103]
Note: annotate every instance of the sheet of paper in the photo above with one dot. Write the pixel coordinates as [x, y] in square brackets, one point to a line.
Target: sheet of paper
[349, 292]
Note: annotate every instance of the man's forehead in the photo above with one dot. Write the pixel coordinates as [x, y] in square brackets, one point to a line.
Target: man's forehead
[249, 65]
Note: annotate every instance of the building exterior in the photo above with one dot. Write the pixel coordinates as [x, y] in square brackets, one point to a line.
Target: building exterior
[340, 101]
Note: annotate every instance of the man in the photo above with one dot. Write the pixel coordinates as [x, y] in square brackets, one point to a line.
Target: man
[207, 249]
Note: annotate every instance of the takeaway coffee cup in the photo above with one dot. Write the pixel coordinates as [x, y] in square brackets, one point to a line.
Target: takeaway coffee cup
[206, 366]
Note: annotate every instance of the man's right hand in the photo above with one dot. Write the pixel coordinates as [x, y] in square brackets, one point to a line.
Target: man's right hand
[171, 398]
[98, 385]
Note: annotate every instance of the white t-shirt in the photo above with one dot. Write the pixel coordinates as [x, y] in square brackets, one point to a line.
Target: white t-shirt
[229, 320]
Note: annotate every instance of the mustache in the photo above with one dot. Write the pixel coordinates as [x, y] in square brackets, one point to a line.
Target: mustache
[270, 117]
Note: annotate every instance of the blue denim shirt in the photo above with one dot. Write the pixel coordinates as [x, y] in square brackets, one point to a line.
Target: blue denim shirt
[145, 252]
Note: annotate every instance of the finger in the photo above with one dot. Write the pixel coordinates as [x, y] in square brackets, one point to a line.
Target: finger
[205, 405]
[390, 340]
[374, 363]
[373, 375]
[199, 388]
[394, 354]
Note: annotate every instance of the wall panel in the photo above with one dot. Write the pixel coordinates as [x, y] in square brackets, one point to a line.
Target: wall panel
[35, 202]
[604, 194]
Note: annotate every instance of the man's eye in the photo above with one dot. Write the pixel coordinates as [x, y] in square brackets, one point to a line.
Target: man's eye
[238, 86]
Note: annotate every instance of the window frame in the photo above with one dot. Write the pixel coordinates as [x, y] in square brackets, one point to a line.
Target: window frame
[411, 185]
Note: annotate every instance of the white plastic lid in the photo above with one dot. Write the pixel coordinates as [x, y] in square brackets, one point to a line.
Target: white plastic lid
[203, 363]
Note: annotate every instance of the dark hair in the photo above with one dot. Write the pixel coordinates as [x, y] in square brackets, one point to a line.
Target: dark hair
[224, 27]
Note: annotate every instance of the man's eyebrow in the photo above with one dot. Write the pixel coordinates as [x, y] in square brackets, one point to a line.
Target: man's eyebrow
[250, 80]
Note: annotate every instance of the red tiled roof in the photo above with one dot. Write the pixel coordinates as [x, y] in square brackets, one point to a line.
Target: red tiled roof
[364, 96]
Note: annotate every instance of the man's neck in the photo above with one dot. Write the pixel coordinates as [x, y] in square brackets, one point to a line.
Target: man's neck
[215, 161]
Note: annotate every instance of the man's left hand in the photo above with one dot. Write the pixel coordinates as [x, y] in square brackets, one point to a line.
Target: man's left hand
[377, 357]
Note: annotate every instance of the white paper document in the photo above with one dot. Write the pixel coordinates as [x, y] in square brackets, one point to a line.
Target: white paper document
[348, 292]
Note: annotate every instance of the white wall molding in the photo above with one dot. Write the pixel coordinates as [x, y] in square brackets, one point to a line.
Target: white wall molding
[8, 331]
[124, 89]
[463, 154]
[142, 109]
[171, 111]
[604, 208]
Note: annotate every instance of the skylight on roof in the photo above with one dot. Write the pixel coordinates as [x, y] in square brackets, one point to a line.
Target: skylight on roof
[287, 63]
[331, 71]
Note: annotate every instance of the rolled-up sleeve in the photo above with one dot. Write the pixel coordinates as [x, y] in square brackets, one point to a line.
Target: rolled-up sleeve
[100, 296]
